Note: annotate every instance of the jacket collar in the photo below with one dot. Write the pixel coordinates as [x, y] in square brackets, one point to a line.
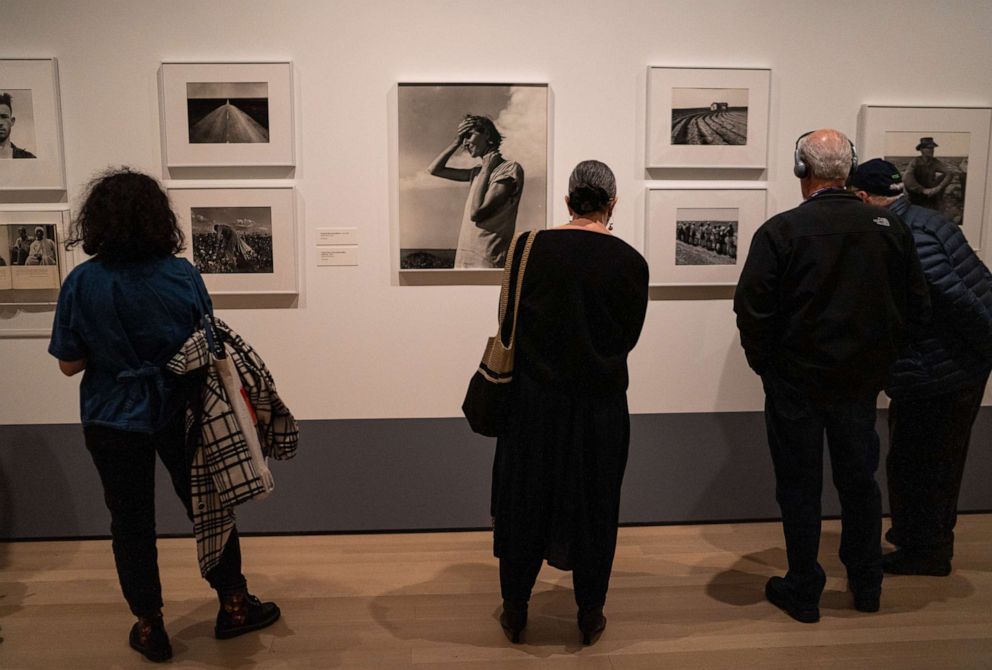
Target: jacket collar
[900, 206]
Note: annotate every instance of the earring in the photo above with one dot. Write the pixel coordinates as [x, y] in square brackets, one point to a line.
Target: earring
[609, 224]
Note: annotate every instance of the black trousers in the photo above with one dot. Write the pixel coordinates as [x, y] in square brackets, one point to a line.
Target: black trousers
[517, 577]
[126, 463]
[928, 445]
[796, 426]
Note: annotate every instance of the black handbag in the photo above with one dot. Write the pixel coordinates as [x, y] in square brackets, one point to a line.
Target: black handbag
[487, 401]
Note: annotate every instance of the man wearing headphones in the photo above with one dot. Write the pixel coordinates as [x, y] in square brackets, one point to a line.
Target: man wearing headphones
[823, 306]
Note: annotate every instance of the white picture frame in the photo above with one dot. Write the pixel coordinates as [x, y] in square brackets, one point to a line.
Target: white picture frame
[961, 133]
[685, 130]
[431, 210]
[36, 107]
[32, 269]
[227, 114]
[672, 212]
[242, 240]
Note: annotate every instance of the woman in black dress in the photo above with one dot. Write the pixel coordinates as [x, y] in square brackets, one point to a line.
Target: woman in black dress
[560, 463]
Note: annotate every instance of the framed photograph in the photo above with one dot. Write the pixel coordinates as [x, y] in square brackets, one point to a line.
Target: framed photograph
[31, 156]
[473, 170]
[227, 114]
[32, 257]
[242, 240]
[707, 118]
[700, 237]
[942, 152]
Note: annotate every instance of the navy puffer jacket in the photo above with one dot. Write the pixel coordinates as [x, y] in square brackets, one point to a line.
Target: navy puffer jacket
[955, 348]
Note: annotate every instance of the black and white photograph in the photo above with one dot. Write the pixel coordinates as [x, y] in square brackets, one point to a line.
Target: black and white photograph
[934, 167]
[232, 240]
[226, 113]
[30, 244]
[706, 116]
[942, 153]
[700, 236]
[17, 136]
[241, 239]
[706, 236]
[30, 255]
[473, 164]
[32, 166]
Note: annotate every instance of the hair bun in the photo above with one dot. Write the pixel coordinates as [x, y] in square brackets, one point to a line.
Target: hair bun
[586, 199]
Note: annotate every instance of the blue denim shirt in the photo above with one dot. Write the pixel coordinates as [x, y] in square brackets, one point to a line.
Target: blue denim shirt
[127, 320]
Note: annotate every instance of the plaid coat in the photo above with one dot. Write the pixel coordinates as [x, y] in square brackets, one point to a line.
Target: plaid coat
[222, 474]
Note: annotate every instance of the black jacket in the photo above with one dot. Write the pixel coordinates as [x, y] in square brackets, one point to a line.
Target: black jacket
[955, 348]
[827, 294]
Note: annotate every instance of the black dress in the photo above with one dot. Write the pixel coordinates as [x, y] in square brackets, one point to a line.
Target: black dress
[559, 465]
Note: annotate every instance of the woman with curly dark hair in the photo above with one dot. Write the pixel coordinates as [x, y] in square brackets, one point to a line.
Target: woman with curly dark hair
[121, 316]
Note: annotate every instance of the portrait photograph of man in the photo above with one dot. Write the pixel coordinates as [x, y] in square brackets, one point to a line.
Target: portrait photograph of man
[16, 124]
[472, 172]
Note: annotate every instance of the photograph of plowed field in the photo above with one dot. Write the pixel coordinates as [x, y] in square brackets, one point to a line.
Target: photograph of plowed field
[709, 116]
[697, 126]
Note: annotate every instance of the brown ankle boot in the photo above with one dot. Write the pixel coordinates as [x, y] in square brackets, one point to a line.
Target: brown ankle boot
[242, 613]
[148, 637]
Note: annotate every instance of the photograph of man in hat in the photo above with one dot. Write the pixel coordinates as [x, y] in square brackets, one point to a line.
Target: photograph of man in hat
[927, 177]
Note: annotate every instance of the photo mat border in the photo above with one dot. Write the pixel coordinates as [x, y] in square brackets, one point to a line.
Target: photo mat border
[660, 153]
[47, 172]
[876, 120]
[179, 152]
[660, 209]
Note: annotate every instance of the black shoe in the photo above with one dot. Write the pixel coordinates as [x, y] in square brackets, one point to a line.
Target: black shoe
[591, 623]
[779, 593]
[867, 602]
[513, 619]
[904, 562]
[242, 613]
[148, 637]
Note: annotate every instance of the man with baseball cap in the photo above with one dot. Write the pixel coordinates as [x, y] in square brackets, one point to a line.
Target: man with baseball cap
[937, 384]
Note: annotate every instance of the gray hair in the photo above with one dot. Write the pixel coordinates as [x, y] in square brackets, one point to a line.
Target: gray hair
[829, 158]
[591, 187]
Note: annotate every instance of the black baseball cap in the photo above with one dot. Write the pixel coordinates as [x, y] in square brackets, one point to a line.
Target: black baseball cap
[878, 177]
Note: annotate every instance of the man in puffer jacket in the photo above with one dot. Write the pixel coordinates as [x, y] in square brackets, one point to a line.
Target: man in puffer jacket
[936, 386]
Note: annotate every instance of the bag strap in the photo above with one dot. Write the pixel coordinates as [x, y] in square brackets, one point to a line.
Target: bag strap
[206, 315]
[516, 280]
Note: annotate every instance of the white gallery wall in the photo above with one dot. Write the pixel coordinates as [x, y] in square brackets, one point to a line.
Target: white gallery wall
[359, 343]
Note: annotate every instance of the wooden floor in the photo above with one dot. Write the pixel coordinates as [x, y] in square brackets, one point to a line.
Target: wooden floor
[681, 597]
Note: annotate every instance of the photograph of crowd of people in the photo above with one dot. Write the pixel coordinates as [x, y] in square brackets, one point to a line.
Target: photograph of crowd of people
[228, 113]
[232, 240]
[934, 168]
[706, 236]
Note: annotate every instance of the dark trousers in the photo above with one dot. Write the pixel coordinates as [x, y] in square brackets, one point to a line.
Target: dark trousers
[517, 577]
[796, 427]
[126, 463]
[928, 445]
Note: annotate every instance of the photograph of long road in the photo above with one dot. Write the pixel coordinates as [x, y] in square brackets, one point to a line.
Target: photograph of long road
[228, 113]
[709, 116]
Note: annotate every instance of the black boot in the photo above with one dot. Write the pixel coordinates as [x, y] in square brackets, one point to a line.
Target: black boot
[148, 637]
[513, 619]
[242, 613]
[591, 623]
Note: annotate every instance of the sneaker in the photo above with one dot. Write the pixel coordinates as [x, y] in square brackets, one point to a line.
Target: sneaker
[148, 638]
[905, 562]
[243, 613]
[779, 593]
